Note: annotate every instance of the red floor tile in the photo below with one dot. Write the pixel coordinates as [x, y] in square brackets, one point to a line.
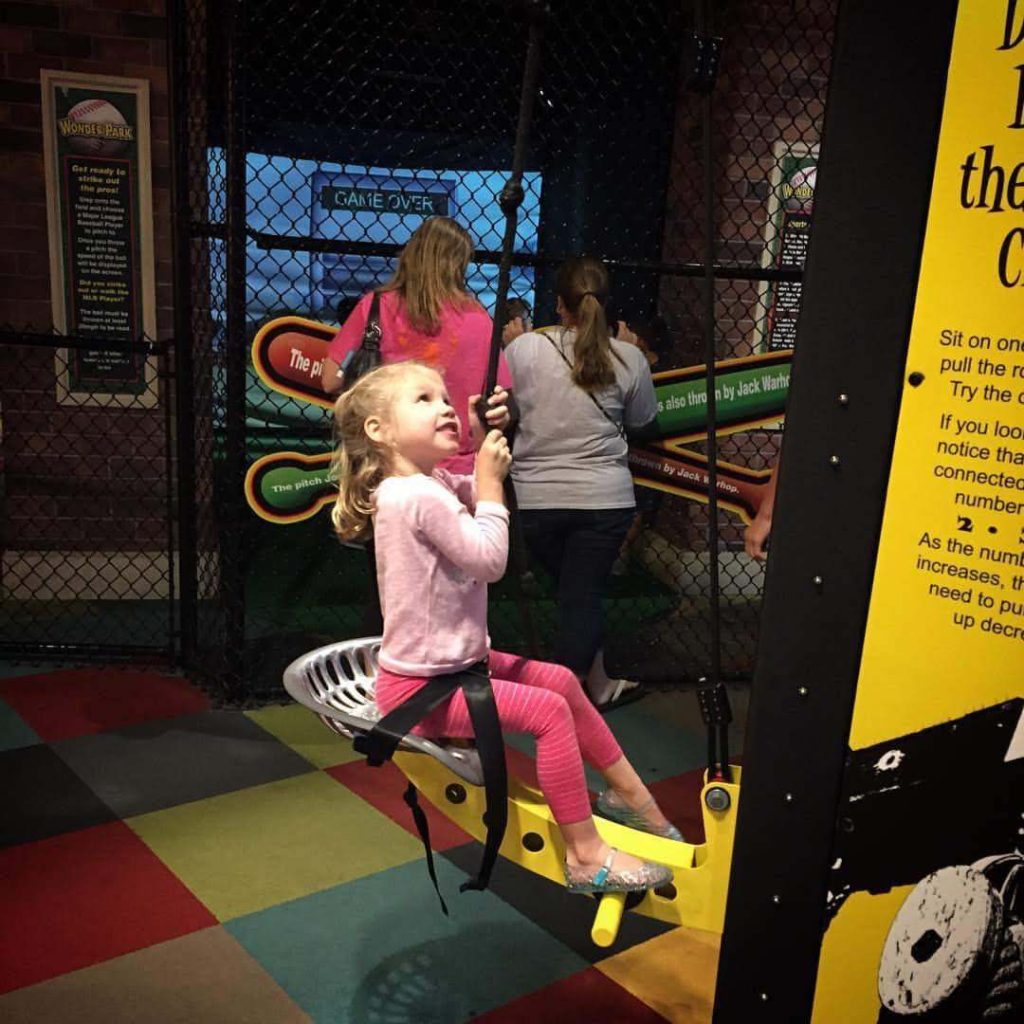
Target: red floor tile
[587, 996]
[383, 787]
[84, 897]
[76, 702]
[679, 800]
[521, 765]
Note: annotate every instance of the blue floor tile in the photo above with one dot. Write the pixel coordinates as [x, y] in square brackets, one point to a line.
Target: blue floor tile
[657, 746]
[11, 669]
[379, 951]
[13, 730]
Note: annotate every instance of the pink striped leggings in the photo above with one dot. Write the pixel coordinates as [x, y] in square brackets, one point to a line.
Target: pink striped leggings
[534, 697]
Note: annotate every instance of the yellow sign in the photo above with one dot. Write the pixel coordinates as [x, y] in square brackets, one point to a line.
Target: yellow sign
[945, 630]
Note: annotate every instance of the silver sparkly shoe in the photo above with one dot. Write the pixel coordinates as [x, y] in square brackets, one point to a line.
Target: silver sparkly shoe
[634, 819]
[647, 876]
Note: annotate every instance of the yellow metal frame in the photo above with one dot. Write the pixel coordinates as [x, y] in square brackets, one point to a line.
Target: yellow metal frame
[695, 899]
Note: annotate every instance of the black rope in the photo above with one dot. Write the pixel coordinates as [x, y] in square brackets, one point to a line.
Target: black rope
[511, 195]
[510, 199]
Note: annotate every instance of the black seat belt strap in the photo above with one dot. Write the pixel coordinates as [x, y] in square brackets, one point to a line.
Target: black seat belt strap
[483, 713]
[423, 827]
[380, 743]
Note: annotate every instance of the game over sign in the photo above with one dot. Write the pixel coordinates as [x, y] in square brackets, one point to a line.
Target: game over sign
[384, 200]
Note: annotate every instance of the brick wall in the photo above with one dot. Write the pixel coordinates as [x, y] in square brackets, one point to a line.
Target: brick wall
[87, 478]
[771, 87]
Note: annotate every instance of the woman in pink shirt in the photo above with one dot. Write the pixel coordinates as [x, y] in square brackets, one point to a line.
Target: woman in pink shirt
[440, 539]
[427, 314]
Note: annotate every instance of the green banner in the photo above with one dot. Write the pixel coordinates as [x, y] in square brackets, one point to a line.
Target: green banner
[289, 486]
[742, 395]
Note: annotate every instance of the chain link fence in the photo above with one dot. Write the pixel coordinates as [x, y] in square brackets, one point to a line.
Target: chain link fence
[314, 137]
[85, 506]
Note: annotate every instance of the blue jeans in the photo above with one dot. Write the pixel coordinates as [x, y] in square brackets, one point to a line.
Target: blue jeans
[578, 548]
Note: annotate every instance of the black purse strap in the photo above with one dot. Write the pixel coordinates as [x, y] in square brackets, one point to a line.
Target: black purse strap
[372, 331]
[619, 428]
[370, 342]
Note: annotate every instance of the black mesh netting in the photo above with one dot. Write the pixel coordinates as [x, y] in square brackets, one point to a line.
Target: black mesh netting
[86, 498]
[315, 136]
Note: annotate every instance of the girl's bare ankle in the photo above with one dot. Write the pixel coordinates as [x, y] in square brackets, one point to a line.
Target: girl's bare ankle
[583, 855]
[635, 799]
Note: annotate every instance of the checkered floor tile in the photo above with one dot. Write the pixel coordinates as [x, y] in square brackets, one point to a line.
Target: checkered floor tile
[146, 837]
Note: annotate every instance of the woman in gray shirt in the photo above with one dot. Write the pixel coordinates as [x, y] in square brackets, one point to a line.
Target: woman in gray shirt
[580, 392]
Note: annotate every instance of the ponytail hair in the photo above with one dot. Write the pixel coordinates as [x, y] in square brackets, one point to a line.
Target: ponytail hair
[582, 285]
[359, 465]
[431, 272]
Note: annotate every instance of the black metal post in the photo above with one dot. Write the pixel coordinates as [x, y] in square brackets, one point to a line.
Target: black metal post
[182, 387]
[705, 57]
[859, 291]
[232, 567]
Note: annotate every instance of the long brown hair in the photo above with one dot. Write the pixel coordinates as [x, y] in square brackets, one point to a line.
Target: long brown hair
[358, 464]
[432, 272]
[582, 285]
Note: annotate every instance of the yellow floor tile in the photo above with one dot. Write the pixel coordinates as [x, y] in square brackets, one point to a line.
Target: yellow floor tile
[245, 851]
[300, 729]
[673, 973]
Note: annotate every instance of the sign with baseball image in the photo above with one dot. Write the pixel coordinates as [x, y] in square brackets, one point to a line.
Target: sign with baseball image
[99, 204]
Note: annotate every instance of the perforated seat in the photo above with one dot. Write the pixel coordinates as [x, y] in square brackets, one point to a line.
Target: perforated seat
[337, 683]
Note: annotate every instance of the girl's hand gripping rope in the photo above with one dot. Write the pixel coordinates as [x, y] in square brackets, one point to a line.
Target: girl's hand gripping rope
[492, 465]
[497, 414]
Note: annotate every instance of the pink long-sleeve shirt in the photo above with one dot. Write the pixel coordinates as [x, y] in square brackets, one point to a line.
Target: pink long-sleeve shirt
[437, 549]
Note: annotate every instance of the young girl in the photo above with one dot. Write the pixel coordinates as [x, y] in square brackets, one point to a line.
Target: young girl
[440, 540]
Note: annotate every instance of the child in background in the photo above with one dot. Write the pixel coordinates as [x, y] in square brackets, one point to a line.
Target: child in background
[652, 337]
[517, 320]
[440, 539]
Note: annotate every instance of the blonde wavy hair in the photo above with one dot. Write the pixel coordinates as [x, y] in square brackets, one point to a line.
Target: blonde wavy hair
[432, 272]
[359, 465]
